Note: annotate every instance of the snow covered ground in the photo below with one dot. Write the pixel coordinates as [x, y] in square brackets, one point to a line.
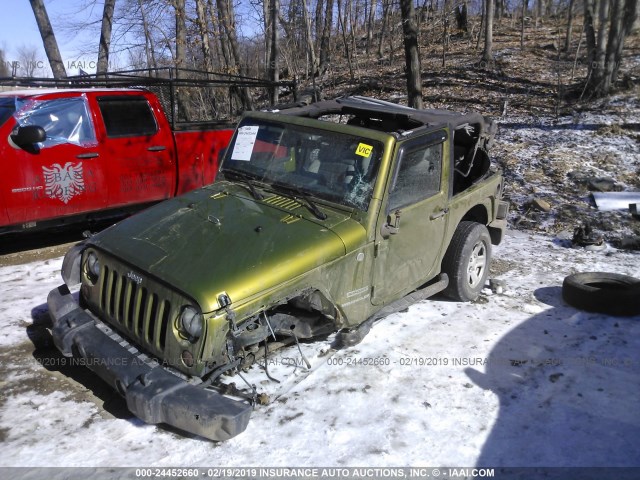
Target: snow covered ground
[514, 379]
[554, 159]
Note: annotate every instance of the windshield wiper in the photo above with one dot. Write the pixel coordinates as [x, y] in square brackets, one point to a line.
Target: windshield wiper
[296, 192]
[247, 179]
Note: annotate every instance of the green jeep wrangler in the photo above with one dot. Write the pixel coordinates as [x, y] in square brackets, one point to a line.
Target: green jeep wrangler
[324, 218]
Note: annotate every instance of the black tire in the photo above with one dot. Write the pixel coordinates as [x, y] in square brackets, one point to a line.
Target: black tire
[467, 261]
[603, 292]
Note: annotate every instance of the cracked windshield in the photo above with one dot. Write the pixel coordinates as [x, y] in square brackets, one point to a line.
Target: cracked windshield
[326, 165]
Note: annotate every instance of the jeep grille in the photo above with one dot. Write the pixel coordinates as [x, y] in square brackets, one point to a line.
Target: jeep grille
[135, 309]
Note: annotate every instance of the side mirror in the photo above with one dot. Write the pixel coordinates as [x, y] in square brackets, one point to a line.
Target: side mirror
[29, 135]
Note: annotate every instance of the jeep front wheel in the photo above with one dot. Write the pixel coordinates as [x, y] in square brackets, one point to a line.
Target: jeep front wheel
[467, 261]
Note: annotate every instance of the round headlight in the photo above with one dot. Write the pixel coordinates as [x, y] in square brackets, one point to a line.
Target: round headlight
[191, 321]
[93, 266]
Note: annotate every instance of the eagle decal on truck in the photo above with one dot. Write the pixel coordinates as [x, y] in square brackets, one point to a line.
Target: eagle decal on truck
[63, 183]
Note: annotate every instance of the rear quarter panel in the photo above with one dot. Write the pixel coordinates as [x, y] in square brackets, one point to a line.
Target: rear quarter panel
[483, 197]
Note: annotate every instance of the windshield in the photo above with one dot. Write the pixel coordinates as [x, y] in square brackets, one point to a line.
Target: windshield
[7, 108]
[332, 166]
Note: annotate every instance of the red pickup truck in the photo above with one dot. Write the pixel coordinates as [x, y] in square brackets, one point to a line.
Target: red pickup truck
[72, 155]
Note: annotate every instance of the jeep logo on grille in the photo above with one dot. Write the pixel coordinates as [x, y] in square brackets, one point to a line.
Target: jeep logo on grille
[134, 277]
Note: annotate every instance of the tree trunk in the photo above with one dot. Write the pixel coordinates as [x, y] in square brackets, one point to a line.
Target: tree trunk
[274, 68]
[567, 40]
[597, 45]
[371, 24]
[310, 49]
[4, 71]
[48, 39]
[226, 16]
[589, 30]
[412, 56]
[525, 4]
[461, 17]
[325, 44]
[385, 20]
[181, 34]
[149, 47]
[499, 9]
[180, 59]
[615, 38]
[351, 18]
[105, 37]
[318, 23]
[629, 17]
[445, 31]
[201, 21]
[605, 47]
[345, 41]
[482, 20]
[487, 54]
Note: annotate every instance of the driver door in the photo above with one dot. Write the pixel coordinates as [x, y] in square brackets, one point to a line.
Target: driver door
[410, 232]
[60, 176]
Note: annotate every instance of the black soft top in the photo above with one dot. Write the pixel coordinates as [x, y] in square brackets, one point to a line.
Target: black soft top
[404, 117]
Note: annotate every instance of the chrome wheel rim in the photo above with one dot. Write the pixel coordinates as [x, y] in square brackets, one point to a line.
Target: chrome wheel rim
[477, 264]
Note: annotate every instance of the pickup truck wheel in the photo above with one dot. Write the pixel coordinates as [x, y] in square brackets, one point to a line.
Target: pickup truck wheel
[467, 261]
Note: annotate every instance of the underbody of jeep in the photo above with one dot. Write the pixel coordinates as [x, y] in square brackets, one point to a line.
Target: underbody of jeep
[294, 240]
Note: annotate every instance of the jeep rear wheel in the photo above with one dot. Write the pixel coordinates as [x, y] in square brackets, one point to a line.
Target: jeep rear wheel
[467, 261]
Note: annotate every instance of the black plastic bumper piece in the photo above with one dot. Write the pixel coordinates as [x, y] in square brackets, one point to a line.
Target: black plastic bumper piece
[152, 393]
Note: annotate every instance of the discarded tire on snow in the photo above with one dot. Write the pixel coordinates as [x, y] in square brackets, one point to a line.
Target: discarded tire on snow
[603, 292]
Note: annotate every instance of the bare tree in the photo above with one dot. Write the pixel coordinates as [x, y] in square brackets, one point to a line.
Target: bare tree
[445, 31]
[525, 6]
[226, 17]
[326, 36]
[105, 36]
[341, 23]
[370, 24]
[462, 19]
[201, 21]
[180, 59]
[274, 44]
[386, 6]
[487, 54]
[28, 59]
[605, 46]
[48, 39]
[411, 54]
[500, 9]
[4, 70]
[149, 46]
[310, 50]
[567, 39]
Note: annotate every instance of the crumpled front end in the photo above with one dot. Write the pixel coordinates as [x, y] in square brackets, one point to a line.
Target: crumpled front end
[152, 393]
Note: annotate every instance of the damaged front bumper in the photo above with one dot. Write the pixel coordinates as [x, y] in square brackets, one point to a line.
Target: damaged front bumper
[153, 394]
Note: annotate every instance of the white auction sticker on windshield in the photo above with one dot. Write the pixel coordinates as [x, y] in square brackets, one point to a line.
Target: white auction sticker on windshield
[245, 140]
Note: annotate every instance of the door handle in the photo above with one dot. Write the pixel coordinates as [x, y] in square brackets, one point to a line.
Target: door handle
[441, 213]
[88, 155]
[157, 148]
[392, 226]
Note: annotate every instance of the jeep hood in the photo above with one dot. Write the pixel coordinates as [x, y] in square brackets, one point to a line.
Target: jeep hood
[219, 239]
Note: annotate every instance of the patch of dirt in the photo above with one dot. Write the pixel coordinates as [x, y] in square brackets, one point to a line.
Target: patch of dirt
[27, 256]
[40, 367]
[500, 266]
